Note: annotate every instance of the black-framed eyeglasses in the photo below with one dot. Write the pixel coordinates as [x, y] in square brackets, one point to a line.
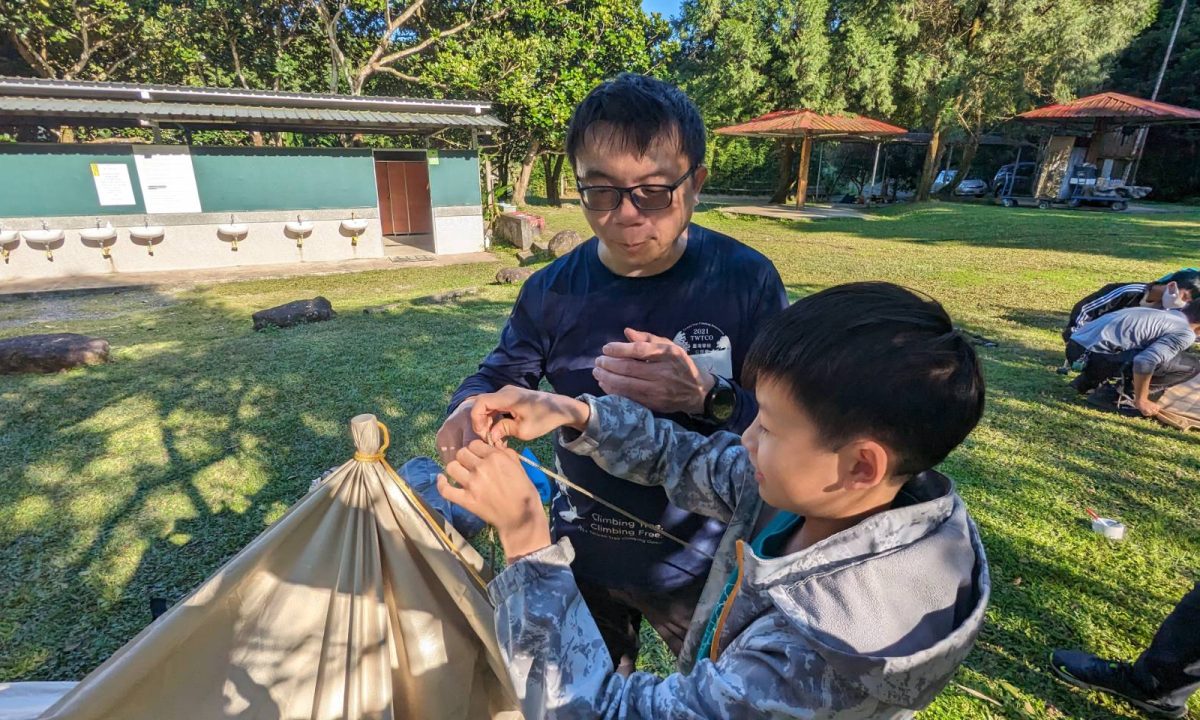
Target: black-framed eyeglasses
[603, 198]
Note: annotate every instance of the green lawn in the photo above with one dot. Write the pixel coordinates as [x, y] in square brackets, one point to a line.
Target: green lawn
[138, 478]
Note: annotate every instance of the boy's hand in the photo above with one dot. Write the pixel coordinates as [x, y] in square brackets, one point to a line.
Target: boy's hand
[492, 484]
[525, 414]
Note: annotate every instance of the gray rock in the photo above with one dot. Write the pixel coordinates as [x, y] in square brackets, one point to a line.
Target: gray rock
[51, 352]
[517, 230]
[531, 257]
[298, 312]
[564, 242]
[513, 275]
[448, 296]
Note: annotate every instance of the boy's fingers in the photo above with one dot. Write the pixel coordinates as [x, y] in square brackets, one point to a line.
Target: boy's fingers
[480, 449]
[459, 474]
[458, 496]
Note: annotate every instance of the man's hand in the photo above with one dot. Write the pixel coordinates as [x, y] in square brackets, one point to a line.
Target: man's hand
[525, 414]
[456, 433]
[1147, 407]
[492, 484]
[654, 372]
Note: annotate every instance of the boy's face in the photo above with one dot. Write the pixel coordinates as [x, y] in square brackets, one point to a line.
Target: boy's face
[634, 241]
[796, 471]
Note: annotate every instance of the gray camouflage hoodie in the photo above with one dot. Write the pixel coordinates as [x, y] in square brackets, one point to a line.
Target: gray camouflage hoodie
[869, 623]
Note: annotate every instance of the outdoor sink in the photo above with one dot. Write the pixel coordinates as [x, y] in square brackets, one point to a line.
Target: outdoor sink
[233, 230]
[355, 227]
[299, 228]
[44, 237]
[7, 237]
[99, 234]
[147, 233]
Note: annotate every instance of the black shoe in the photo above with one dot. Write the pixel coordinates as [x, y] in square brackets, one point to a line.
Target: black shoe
[1104, 397]
[1083, 384]
[1087, 671]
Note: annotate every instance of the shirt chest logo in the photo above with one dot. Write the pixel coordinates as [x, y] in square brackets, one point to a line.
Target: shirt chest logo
[708, 346]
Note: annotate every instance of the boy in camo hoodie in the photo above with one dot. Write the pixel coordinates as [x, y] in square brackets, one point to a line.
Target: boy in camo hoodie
[851, 582]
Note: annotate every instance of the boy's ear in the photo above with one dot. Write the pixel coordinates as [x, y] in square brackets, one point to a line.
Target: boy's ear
[864, 464]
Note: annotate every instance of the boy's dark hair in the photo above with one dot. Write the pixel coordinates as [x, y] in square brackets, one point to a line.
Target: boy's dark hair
[1192, 311]
[1186, 280]
[873, 359]
[637, 109]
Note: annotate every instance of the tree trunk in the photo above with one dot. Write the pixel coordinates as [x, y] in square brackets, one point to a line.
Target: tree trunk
[964, 163]
[787, 153]
[929, 167]
[522, 186]
[554, 167]
[487, 181]
[256, 138]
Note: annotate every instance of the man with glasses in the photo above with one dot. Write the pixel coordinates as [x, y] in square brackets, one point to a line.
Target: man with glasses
[652, 308]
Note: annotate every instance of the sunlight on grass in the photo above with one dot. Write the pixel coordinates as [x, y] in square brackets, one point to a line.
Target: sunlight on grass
[137, 479]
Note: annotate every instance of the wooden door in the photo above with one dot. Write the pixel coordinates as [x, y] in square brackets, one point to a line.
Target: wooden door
[420, 213]
[404, 205]
[384, 192]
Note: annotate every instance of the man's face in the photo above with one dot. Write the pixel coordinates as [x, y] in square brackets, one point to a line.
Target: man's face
[635, 241]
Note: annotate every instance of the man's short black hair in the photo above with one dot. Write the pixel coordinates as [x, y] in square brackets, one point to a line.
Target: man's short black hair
[1185, 280]
[873, 359]
[637, 110]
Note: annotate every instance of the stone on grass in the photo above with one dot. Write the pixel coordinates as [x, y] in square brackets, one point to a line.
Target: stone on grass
[51, 352]
[294, 313]
[518, 229]
[531, 257]
[513, 275]
[448, 296]
[564, 242]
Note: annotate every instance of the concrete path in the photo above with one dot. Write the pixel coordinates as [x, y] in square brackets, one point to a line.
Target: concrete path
[189, 278]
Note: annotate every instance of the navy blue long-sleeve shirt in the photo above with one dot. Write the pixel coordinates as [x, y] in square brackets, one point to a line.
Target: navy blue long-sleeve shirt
[712, 302]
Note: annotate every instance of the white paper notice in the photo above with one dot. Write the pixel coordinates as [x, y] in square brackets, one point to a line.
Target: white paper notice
[168, 182]
[112, 184]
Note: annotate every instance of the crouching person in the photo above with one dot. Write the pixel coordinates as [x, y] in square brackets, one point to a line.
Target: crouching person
[851, 581]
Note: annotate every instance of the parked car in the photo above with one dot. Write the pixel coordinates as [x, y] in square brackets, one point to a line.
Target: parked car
[1022, 183]
[972, 187]
[943, 179]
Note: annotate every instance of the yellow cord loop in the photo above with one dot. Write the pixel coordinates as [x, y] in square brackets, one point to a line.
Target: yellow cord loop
[377, 456]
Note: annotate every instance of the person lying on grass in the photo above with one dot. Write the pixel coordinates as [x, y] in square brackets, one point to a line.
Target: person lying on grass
[850, 583]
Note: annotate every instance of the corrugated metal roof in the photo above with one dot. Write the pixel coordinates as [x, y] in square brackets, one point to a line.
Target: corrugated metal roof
[192, 114]
[797, 123]
[81, 89]
[1114, 106]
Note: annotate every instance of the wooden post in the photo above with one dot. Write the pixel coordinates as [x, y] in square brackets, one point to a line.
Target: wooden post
[874, 169]
[802, 172]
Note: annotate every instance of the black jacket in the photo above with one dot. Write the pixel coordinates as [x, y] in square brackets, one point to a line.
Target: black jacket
[1114, 296]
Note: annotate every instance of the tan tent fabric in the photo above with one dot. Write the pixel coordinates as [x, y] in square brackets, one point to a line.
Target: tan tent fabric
[1181, 406]
[357, 603]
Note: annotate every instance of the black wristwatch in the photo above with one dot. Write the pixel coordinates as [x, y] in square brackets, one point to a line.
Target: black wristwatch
[720, 402]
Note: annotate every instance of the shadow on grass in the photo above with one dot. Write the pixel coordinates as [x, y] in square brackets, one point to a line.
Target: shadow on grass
[139, 478]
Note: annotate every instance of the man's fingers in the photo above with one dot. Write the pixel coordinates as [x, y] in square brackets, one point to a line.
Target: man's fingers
[638, 350]
[628, 368]
[623, 385]
[504, 429]
[643, 336]
[480, 449]
[468, 457]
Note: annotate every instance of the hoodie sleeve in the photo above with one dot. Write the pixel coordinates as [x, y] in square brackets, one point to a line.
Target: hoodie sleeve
[701, 474]
[561, 670]
[1162, 350]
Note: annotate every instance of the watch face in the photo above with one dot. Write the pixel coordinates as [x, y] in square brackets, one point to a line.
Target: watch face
[723, 403]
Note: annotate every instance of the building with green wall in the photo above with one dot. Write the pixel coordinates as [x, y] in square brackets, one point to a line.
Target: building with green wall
[228, 206]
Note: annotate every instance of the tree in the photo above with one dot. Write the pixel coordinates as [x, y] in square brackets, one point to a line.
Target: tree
[744, 58]
[968, 64]
[539, 64]
[76, 40]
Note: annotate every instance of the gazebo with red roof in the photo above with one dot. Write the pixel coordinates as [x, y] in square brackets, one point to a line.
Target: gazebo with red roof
[1112, 108]
[807, 124]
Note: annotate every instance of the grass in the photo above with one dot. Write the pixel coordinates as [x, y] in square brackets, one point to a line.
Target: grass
[138, 478]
